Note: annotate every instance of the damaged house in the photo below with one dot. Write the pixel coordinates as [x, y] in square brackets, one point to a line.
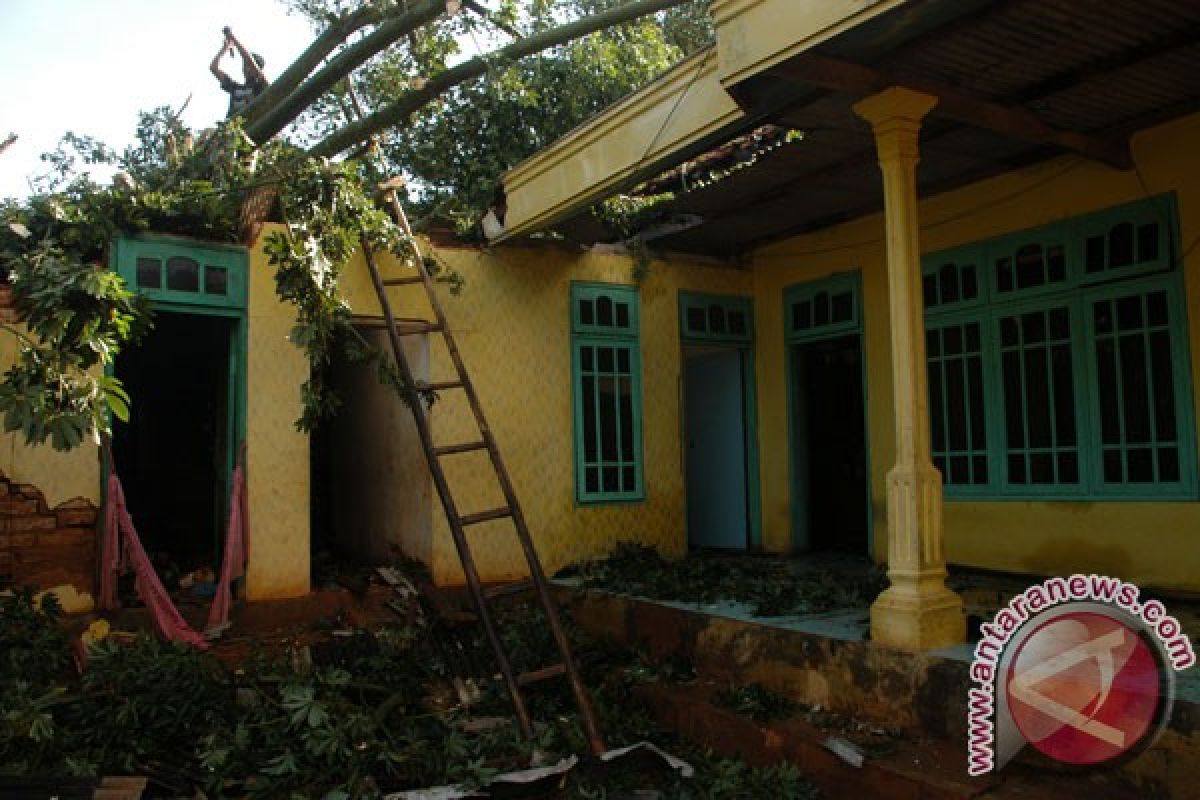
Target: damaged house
[942, 312]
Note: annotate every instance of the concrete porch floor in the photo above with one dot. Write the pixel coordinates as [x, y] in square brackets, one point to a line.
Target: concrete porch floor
[825, 660]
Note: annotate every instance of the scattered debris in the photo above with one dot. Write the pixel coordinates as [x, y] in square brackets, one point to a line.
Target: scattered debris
[771, 586]
[344, 716]
[538, 780]
[757, 702]
[846, 750]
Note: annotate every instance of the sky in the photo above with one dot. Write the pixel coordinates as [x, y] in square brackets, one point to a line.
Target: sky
[89, 66]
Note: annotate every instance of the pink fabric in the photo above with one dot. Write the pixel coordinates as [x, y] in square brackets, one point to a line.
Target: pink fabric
[237, 550]
[167, 619]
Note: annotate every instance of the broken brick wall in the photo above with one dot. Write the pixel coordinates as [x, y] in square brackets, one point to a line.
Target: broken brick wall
[42, 546]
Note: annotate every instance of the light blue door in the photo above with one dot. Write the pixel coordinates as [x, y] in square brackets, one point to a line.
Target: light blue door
[715, 443]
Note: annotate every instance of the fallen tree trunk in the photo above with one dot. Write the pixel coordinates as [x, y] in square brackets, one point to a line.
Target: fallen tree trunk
[396, 113]
[322, 46]
[277, 114]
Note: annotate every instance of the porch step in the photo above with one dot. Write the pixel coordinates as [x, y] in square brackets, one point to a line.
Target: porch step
[902, 768]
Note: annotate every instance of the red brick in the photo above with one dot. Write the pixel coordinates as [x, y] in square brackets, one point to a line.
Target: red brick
[80, 517]
[20, 540]
[57, 575]
[30, 492]
[30, 522]
[56, 552]
[67, 536]
[15, 505]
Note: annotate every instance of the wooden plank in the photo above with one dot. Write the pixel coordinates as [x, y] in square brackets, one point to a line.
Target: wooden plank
[438, 386]
[406, 281]
[486, 516]
[508, 589]
[544, 674]
[466, 447]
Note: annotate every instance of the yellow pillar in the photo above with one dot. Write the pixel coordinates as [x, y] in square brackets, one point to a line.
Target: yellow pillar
[917, 611]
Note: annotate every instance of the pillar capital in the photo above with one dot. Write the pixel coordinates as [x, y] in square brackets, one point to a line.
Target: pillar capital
[895, 116]
[895, 103]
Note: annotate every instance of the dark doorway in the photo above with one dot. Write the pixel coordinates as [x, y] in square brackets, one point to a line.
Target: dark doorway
[830, 443]
[173, 456]
[715, 437]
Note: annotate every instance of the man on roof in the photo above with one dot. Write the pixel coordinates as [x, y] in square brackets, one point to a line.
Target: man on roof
[240, 94]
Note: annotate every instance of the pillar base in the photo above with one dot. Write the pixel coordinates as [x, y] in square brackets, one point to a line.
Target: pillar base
[918, 617]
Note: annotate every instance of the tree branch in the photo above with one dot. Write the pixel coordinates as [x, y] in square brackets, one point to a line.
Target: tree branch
[262, 125]
[481, 10]
[396, 113]
[312, 56]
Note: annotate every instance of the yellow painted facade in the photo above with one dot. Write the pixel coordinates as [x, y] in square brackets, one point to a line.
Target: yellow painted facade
[277, 468]
[1151, 542]
[512, 325]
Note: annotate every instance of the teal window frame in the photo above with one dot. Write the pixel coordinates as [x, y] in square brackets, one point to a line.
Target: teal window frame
[941, 362]
[131, 252]
[589, 339]
[1184, 440]
[1078, 292]
[711, 318]
[797, 483]
[817, 294]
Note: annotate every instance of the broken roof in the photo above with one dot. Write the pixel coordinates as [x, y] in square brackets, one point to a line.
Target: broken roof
[1017, 81]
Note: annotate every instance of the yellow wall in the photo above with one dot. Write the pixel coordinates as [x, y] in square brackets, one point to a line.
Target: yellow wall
[60, 476]
[1154, 543]
[513, 329]
[277, 474]
[380, 497]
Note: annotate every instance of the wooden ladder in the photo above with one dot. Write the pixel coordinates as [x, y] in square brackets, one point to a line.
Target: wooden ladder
[458, 521]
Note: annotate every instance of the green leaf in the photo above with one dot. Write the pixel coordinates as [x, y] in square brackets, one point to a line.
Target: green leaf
[118, 405]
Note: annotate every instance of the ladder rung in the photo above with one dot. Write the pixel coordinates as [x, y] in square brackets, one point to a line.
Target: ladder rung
[405, 327]
[526, 678]
[459, 448]
[457, 617]
[485, 516]
[437, 387]
[406, 281]
[507, 589]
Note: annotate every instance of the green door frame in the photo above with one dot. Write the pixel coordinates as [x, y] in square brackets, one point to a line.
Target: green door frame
[744, 344]
[837, 284]
[123, 258]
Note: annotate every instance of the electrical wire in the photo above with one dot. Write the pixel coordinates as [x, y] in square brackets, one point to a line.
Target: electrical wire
[675, 107]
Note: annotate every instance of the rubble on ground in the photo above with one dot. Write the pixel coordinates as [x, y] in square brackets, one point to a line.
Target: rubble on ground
[355, 713]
